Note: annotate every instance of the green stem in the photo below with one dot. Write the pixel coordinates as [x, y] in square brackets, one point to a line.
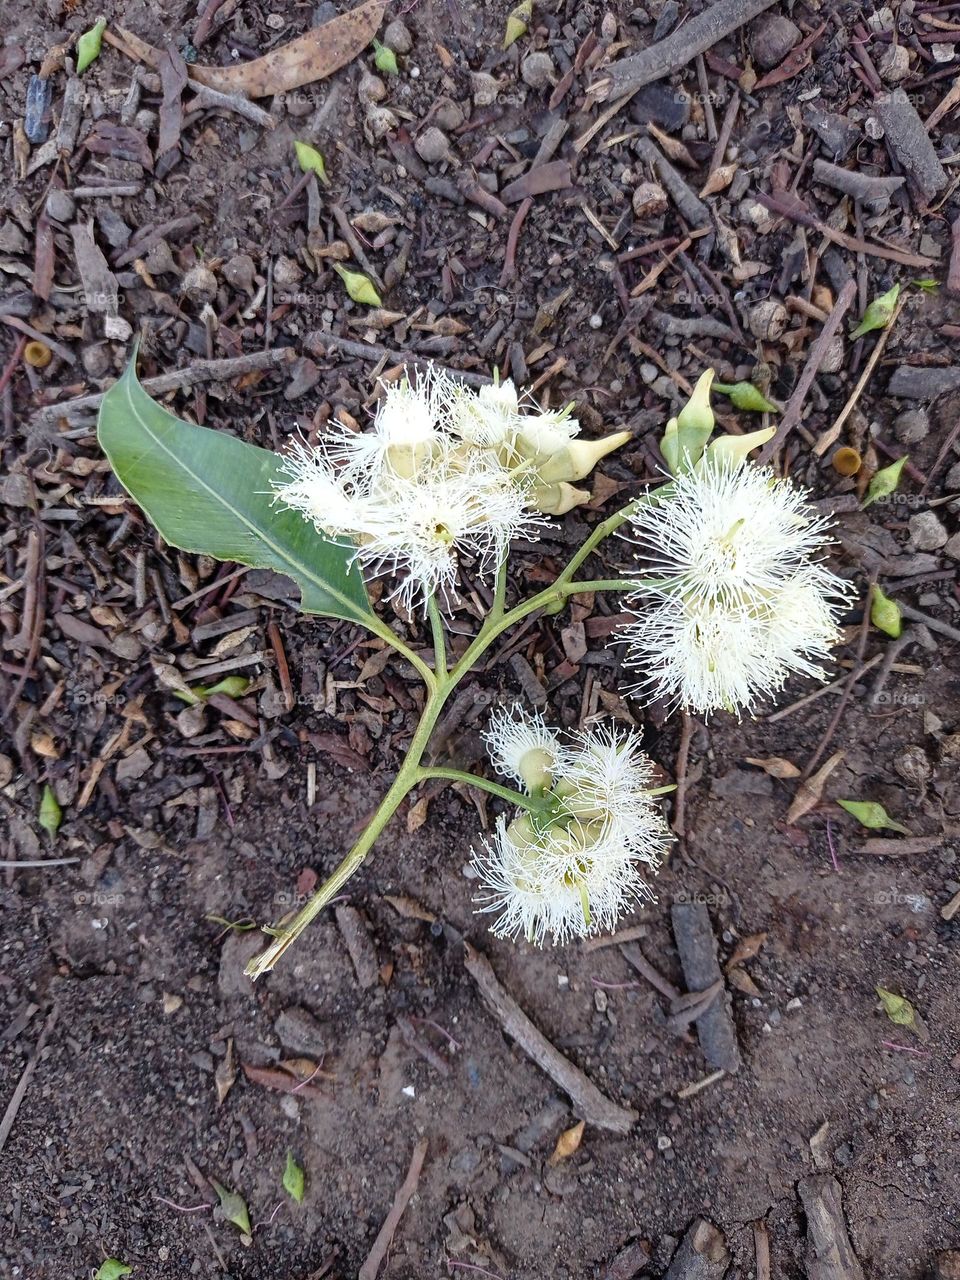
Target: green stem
[440, 684]
[500, 589]
[439, 644]
[471, 779]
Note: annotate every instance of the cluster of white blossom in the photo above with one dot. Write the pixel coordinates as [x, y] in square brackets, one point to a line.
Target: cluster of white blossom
[737, 600]
[444, 472]
[573, 864]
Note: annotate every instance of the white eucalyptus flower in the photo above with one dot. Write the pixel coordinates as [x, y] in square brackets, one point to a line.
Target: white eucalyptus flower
[574, 863]
[738, 602]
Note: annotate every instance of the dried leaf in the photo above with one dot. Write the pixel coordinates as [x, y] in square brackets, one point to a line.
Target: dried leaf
[809, 792]
[567, 1143]
[312, 56]
[225, 1074]
[282, 1081]
[417, 814]
[898, 1009]
[776, 766]
[409, 908]
[294, 1181]
[747, 948]
[740, 979]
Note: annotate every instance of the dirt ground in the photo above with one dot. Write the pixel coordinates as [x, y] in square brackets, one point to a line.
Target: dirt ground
[137, 1062]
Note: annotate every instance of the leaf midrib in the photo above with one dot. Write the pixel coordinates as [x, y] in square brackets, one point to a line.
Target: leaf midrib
[346, 601]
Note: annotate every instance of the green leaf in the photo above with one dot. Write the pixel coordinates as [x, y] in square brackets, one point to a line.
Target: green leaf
[744, 395]
[518, 22]
[293, 1179]
[872, 815]
[360, 287]
[385, 59]
[878, 313]
[113, 1269]
[233, 1207]
[232, 686]
[927, 285]
[210, 493]
[885, 613]
[884, 481]
[311, 161]
[88, 46]
[51, 815]
[897, 1008]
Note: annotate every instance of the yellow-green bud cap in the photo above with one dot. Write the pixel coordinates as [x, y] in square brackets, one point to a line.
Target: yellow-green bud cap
[738, 448]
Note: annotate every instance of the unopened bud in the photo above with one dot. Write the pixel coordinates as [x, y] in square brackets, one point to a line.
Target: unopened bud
[738, 448]
[578, 459]
[557, 499]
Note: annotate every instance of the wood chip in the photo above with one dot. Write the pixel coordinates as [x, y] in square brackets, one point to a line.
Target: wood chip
[830, 1254]
[701, 970]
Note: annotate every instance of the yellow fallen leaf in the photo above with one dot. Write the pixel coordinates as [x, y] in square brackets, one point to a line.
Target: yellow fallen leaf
[567, 1143]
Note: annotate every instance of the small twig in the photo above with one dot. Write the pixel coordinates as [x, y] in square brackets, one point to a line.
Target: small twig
[28, 331]
[316, 341]
[832, 687]
[683, 759]
[917, 615]
[513, 235]
[13, 1106]
[794, 410]
[591, 1104]
[15, 864]
[833, 852]
[637, 960]
[848, 687]
[761, 1250]
[390, 1223]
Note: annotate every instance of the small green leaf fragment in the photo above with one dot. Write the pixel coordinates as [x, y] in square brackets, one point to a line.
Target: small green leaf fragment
[885, 481]
[294, 1180]
[885, 613]
[897, 1008]
[311, 161]
[385, 59]
[359, 287]
[878, 313]
[113, 1269]
[88, 46]
[232, 686]
[518, 23]
[233, 1207]
[744, 395]
[51, 815]
[927, 285]
[872, 815]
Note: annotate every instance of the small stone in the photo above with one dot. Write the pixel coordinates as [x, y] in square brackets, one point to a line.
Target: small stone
[60, 206]
[432, 146]
[661, 104]
[538, 71]
[371, 88]
[298, 1030]
[926, 531]
[649, 200]
[894, 66]
[304, 377]
[200, 284]
[286, 272]
[397, 37]
[772, 39]
[912, 426]
[952, 547]
[96, 361]
[275, 21]
[767, 320]
[448, 114]
[953, 478]
[880, 21]
[608, 27]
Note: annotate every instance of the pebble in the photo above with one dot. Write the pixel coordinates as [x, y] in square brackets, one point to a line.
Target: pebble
[649, 200]
[371, 88]
[953, 478]
[661, 104]
[912, 426]
[60, 206]
[952, 547]
[894, 66]
[666, 20]
[772, 39]
[238, 271]
[448, 114]
[926, 531]
[397, 37]
[485, 88]
[432, 145]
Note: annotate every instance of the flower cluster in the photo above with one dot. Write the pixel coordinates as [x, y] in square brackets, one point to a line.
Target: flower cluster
[738, 600]
[570, 864]
[443, 473]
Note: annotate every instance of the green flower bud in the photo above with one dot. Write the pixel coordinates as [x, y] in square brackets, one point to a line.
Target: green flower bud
[311, 161]
[739, 447]
[872, 815]
[878, 313]
[744, 395]
[358, 286]
[577, 458]
[557, 499]
[885, 613]
[89, 44]
[686, 435]
[885, 481]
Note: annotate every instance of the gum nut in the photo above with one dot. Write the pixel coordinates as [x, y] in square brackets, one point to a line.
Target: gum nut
[485, 88]
[239, 271]
[286, 271]
[649, 200]
[767, 320]
[537, 71]
[397, 37]
[432, 146]
[200, 284]
[378, 122]
[371, 88]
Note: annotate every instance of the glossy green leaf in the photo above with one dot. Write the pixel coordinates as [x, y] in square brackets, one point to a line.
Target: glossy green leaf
[294, 1181]
[51, 815]
[210, 493]
[233, 1207]
[311, 161]
[112, 1269]
[885, 481]
[872, 815]
[878, 313]
[897, 1008]
[89, 45]
[885, 613]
